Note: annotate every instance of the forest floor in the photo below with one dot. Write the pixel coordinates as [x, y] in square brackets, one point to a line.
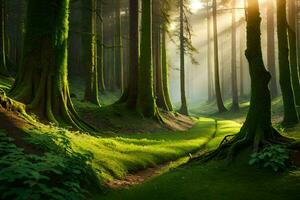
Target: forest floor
[144, 160]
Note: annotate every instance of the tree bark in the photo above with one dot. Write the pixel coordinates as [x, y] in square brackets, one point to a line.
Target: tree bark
[42, 80]
[3, 67]
[118, 47]
[219, 99]
[293, 49]
[89, 53]
[235, 96]
[184, 107]
[101, 68]
[165, 74]
[146, 104]
[271, 48]
[290, 113]
[209, 63]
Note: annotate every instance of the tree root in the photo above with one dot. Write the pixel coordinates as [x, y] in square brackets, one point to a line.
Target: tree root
[231, 145]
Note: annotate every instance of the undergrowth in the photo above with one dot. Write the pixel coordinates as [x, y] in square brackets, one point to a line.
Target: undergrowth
[59, 174]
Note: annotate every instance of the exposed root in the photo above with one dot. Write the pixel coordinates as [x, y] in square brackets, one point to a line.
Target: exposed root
[231, 145]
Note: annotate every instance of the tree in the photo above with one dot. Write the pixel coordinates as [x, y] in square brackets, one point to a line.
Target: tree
[3, 67]
[271, 47]
[219, 99]
[165, 74]
[118, 47]
[146, 104]
[292, 37]
[100, 42]
[209, 70]
[257, 129]
[235, 95]
[184, 107]
[130, 94]
[290, 113]
[89, 53]
[42, 80]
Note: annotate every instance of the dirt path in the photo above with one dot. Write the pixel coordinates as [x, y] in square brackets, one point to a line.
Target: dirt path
[146, 174]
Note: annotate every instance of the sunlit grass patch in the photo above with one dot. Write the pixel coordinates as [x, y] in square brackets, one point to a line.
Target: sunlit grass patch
[115, 156]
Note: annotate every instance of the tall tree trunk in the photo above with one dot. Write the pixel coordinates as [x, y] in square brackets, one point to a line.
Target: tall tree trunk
[159, 92]
[271, 48]
[242, 54]
[293, 50]
[290, 113]
[100, 40]
[42, 80]
[183, 108]
[257, 129]
[165, 74]
[3, 67]
[209, 63]
[89, 53]
[118, 47]
[235, 95]
[219, 99]
[146, 104]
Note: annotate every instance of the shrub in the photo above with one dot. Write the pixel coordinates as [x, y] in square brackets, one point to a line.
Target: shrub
[57, 174]
[274, 156]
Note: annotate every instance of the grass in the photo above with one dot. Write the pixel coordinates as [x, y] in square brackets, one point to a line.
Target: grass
[215, 180]
[120, 154]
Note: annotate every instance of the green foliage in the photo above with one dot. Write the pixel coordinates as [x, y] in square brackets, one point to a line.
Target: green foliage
[274, 156]
[54, 175]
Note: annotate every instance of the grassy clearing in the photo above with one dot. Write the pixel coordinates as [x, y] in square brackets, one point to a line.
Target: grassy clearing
[215, 180]
[115, 156]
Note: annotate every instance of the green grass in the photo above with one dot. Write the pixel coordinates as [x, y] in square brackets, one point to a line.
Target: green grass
[215, 180]
[115, 156]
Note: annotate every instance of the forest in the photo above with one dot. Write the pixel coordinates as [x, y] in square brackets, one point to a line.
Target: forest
[150, 99]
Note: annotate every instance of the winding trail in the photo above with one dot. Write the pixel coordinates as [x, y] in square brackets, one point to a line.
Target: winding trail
[146, 174]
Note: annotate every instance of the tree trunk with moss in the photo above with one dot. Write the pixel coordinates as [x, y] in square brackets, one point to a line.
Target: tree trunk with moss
[165, 68]
[157, 54]
[257, 130]
[234, 84]
[146, 104]
[42, 80]
[118, 47]
[89, 50]
[293, 49]
[219, 98]
[271, 48]
[184, 108]
[290, 113]
[100, 42]
[3, 67]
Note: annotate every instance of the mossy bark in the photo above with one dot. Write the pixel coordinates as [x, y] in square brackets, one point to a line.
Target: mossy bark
[165, 69]
[234, 84]
[184, 108]
[118, 47]
[271, 48]
[42, 80]
[219, 98]
[290, 113]
[89, 50]
[209, 47]
[146, 104]
[157, 54]
[257, 129]
[3, 67]
[293, 49]
[101, 68]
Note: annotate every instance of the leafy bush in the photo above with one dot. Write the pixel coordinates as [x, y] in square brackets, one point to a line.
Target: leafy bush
[59, 174]
[274, 156]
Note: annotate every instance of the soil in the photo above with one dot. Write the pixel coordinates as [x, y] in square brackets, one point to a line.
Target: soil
[14, 125]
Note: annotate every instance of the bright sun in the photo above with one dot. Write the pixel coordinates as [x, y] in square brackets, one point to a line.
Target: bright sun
[196, 5]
